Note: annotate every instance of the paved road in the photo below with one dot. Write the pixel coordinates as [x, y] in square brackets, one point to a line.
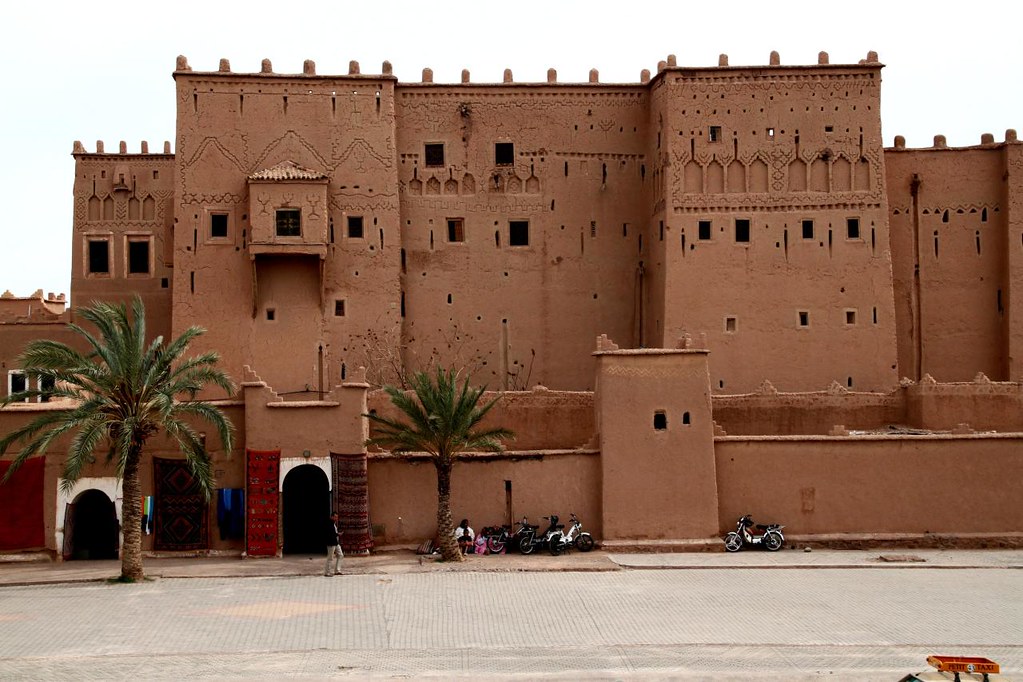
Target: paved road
[713, 623]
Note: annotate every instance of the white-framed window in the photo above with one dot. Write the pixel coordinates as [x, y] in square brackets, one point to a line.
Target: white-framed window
[17, 381]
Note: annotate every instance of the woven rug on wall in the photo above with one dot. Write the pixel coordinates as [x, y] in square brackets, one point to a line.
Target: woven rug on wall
[21, 506]
[351, 500]
[262, 476]
[182, 511]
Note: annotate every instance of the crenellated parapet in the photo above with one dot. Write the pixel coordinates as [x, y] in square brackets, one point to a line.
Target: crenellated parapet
[79, 150]
[941, 142]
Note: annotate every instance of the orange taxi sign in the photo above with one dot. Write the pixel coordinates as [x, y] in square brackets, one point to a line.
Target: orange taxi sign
[963, 664]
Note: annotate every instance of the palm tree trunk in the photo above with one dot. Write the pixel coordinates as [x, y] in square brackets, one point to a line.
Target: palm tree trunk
[445, 528]
[131, 512]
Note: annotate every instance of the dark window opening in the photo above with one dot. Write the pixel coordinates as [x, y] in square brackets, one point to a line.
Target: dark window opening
[850, 317]
[852, 228]
[138, 257]
[807, 229]
[977, 239]
[875, 315]
[685, 418]
[164, 283]
[504, 153]
[661, 238]
[339, 308]
[829, 129]
[355, 227]
[271, 314]
[742, 230]
[704, 229]
[944, 216]
[434, 155]
[99, 257]
[660, 420]
[344, 371]
[456, 230]
[848, 382]
[715, 133]
[804, 318]
[730, 324]
[289, 222]
[46, 386]
[19, 382]
[218, 225]
[518, 233]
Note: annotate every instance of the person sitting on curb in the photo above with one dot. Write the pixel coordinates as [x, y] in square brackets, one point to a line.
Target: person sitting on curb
[465, 536]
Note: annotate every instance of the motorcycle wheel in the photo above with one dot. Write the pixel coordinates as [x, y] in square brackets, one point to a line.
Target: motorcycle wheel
[526, 545]
[556, 545]
[496, 545]
[584, 543]
[772, 541]
[733, 542]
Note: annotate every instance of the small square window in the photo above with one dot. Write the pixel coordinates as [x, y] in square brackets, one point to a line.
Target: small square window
[829, 129]
[271, 314]
[715, 134]
[17, 381]
[804, 318]
[731, 324]
[99, 256]
[46, 386]
[138, 257]
[355, 227]
[434, 155]
[852, 228]
[456, 230]
[704, 229]
[518, 233]
[742, 230]
[807, 229]
[504, 153]
[289, 222]
[660, 420]
[850, 317]
[218, 225]
[339, 308]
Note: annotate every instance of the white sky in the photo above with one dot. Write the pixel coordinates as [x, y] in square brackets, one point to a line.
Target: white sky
[87, 71]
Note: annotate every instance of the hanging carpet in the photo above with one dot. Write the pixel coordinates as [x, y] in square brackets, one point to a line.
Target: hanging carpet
[262, 476]
[182, 511]
[351, 499]
[21, 506]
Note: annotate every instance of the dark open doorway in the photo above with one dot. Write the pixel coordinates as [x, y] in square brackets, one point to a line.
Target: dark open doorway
[306, 501]
[93, 527]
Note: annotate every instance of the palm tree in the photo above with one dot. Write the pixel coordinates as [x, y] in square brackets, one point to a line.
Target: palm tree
[125, 392]
[442, 421]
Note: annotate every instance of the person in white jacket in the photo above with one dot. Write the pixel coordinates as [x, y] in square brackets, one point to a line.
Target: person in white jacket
[464, 536]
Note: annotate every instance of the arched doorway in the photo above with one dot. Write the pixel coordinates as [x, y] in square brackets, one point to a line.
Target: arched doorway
[306, 501]
[93, 528]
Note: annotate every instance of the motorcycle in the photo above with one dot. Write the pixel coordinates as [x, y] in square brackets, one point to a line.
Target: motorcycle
[531, 540]
[770, 539]
[575, 537]
[497, 538]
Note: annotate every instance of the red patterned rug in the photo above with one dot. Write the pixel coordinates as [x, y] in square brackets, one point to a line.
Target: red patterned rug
[182, 511]
[262, 476]
[21, 506]
[351, 500]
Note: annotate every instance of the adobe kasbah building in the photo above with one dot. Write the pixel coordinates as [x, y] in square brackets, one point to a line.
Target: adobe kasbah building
[708, 293]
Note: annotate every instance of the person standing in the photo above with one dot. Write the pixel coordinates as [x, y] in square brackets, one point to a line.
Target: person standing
[333, 539]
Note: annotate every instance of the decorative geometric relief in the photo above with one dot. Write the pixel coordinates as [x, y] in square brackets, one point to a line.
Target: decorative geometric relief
[95, 208]
[841, 175]
[819, 175]
[433, 186]
[468, 184]
[148, 208]
[797, 176]
[415, 186]
[736, 177]
[532, 185]
[758, 176]
[291, 147]
[133, 209]
[514, 185]
[108, 209]
[715, 178]
[862, 179]
[451, 186]
[693, 178]
[360, 152]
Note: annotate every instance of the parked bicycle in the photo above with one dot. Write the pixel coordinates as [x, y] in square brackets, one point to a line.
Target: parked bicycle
[575, 537]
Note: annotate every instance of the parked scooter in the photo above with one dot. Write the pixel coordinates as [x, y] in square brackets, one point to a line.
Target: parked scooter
[575, 537]
[771, 538]
[531, 540]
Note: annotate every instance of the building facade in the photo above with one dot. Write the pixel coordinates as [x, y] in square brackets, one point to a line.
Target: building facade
[317, 224]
